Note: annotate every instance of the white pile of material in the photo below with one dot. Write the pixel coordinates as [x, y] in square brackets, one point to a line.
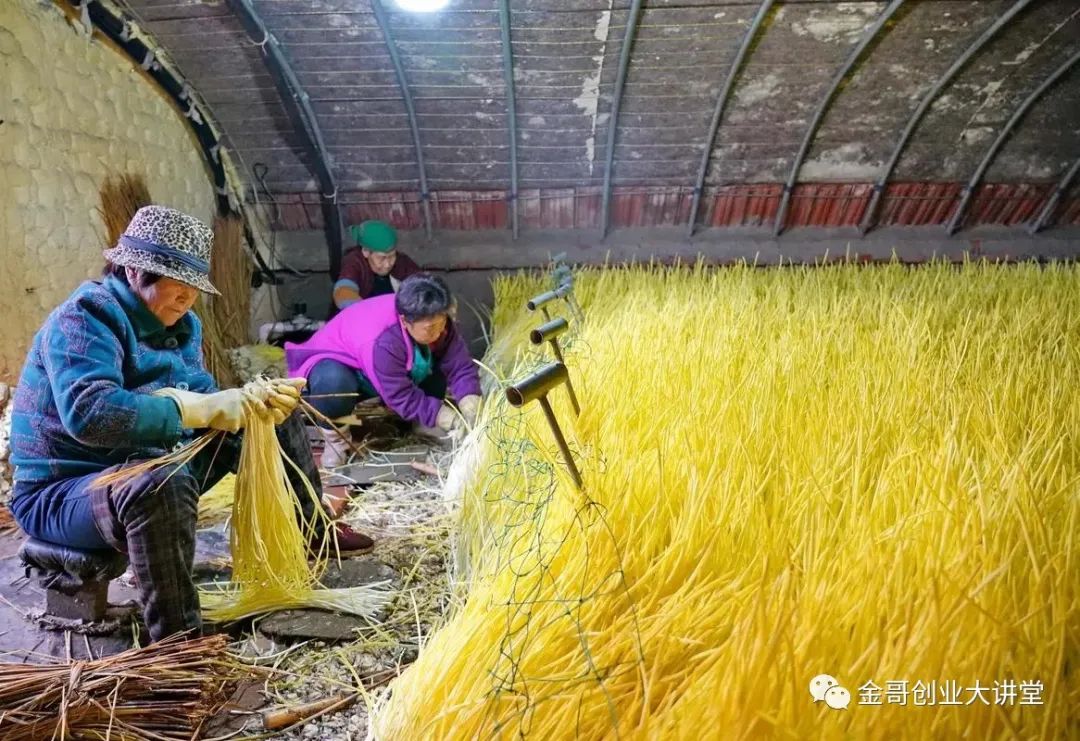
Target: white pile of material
[251, 361]
[6, 472]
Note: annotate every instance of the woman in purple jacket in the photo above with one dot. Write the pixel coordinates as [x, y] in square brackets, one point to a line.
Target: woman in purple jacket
[403, 348]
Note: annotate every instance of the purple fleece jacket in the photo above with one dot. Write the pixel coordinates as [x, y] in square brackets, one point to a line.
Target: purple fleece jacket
[370, 337]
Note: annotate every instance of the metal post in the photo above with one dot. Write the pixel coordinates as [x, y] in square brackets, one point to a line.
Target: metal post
[969, 190]
[536, 387]
[550, 332]
[870, 216]
[298, 105]
[563, 447]
[399, 72]
[718, 112]
[613, 117]
[838, 79]
[511, 110]
[1047, 212]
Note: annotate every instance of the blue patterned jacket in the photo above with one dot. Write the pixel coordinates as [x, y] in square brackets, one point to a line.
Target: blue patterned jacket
[83, 401]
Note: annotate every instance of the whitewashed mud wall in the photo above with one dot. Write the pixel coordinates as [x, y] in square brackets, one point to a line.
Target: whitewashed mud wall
[73, 111]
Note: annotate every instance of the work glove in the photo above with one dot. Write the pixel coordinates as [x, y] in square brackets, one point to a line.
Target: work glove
[470, 408]
[447, 419]
[282, 396]
[222, 410]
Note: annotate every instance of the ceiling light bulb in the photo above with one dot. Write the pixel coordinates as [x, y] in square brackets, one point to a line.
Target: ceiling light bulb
[422, 6]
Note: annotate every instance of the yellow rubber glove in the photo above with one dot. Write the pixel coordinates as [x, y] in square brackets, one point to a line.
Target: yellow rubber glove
[222, 410]
[283, 396]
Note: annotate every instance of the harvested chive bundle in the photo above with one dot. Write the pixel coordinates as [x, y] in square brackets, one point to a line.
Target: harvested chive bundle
[271, 568]
[270, 549]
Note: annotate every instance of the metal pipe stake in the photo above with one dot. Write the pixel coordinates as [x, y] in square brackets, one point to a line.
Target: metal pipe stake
[550, 332]
[557, 432]
[536, 388]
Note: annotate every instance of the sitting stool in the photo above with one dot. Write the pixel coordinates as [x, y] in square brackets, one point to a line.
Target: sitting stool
[76, 581]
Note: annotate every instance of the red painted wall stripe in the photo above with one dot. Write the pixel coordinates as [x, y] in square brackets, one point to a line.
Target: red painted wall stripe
[744, 205]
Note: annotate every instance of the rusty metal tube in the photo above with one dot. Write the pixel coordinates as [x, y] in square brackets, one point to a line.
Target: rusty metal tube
[563, 447]
[548, 296]
[549, 331]
[538, 384]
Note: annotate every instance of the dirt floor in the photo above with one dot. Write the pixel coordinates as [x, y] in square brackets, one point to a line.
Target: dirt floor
[311, 655]
[410, 522]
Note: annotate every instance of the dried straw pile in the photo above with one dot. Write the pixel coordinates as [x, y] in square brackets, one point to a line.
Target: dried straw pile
[121, 195]
[165, 691]
[225, 318]
[7, 522]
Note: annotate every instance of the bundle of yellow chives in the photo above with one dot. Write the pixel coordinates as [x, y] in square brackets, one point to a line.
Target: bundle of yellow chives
[216, 503]
[271, 570]
[864, 472]
[269, 549]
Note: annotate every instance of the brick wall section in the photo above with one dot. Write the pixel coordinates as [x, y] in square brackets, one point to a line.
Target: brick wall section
[73, 111]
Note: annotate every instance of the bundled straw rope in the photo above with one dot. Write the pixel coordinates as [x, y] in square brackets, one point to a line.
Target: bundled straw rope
[121, 195]
[225, 317]
[165, 691]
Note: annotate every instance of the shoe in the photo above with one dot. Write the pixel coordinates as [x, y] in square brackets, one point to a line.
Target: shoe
[336, 448]
[349, 542]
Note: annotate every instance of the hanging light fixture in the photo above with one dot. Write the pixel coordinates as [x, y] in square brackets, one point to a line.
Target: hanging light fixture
[422, 6]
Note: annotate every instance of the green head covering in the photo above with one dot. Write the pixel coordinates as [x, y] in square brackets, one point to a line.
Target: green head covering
[377, 236]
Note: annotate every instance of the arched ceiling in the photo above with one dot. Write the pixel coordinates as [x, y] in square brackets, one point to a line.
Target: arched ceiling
[565, 57]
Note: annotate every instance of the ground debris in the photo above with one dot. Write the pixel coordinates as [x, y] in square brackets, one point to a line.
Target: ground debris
[411, 524]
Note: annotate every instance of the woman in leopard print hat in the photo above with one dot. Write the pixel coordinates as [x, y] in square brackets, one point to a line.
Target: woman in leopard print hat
[116, 376]
[169, 243]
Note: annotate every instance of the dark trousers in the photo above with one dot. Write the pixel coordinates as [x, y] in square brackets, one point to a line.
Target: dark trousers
[335, 388]
[152, 517]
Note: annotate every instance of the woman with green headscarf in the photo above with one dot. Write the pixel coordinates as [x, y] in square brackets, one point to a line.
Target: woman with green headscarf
[374, 267]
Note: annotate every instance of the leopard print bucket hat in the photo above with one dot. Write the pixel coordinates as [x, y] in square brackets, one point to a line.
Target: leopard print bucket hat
[167, 242]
